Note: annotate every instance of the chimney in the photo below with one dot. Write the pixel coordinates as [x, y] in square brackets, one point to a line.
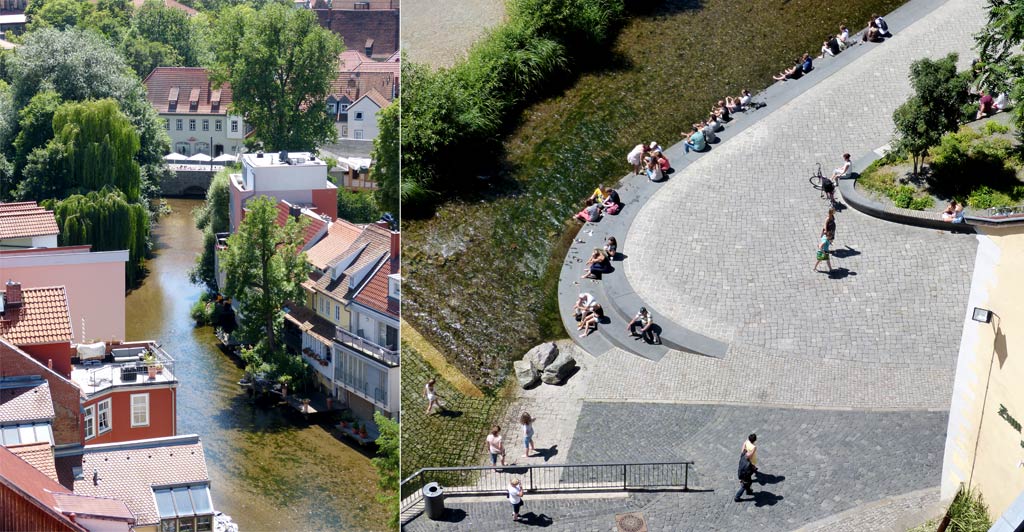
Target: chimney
[396, 245]
[12, 294]
[49, 363]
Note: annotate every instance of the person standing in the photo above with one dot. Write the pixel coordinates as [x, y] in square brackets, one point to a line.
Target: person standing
[526, 420]
[823, 253]
[636, 157]
[496, 446]
[431, 396]
[515, 497]
[829, 229]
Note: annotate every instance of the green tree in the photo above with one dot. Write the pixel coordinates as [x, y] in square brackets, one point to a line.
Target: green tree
[35, 123]
[357, 207]
[159, 23]
[386, 462]
[212, 217]
[1002, 64]
[144, 55]
[936, 107]
[108, 221]
[111, 18]
[280, 63]
[57, 14]
[386, 169]
[101, 146]
[263, 270]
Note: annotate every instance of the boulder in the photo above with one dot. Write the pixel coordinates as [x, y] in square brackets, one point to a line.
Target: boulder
[559, 370]
[526, 373]
[542, 355]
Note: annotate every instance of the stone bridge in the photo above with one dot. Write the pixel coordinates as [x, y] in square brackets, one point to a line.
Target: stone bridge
[188, 181]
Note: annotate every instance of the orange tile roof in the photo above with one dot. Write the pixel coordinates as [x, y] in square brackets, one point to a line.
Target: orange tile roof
[42, 319]
[38, 455]
[163, 82]
[375, 293]
[128, 471]
[340, 235]
[356, 27]
[25, 219]
[372, 246]
[314, 229]
[376, 98]
[358, 75]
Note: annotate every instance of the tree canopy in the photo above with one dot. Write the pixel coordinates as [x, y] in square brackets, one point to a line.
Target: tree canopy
[936, 107]
[1002, 63]
[57, 14]
[386, 462]
[386, 157]
[171, 27]
[280, 63]
[263, 270]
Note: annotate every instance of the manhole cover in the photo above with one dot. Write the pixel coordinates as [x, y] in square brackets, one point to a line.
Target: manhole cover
[632, 522]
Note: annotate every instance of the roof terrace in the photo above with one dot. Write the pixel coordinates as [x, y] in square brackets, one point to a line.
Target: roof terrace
[96, 369]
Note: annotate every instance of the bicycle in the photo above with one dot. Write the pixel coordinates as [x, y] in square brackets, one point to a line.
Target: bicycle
[825, 185]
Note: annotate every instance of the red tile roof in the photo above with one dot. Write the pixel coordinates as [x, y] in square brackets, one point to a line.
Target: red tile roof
[371, 247]
[376, 98]
[42, 319]
[38, 455]
[358, 26]
[25, 399]
[49, 495]
[187, 82]
[358, 75]
[26, 219]
[340, 235]
[128, 471]
[314, 229]
[375, 293]
[169, 3]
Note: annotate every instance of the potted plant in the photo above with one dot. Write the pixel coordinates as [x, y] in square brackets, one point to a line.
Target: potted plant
[151, 365]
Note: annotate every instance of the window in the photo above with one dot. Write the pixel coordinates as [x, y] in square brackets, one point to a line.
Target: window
[140, 410]
[218, 125]
[331, 108]
[103, 420]
[184, 508]
[234, 126]
[344, 107]
[357, 134]
[206, 125]
[191, 124]
[337, 312]
[359, 115]
[90, 423]
[177, 124]
[167, 124]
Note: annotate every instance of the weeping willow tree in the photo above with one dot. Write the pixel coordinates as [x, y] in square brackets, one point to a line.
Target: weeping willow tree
[101, 146]
[108, 221]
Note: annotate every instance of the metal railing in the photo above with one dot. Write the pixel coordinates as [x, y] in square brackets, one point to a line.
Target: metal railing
[362, 345]
[1006, 211]
[545, 477]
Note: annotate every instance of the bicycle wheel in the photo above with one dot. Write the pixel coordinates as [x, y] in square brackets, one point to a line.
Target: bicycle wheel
[817, 181]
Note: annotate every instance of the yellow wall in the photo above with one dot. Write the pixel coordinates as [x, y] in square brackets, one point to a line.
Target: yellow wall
[982, 448]
[343, 317]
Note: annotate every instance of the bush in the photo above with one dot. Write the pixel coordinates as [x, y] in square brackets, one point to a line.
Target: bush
[992, 128]
[357, 207]
[902, 196]
[985, 198]
[922, 203]
[965, 159]
[202, 311]
[968, 512]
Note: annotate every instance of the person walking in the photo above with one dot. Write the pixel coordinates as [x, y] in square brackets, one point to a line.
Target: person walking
[823, 253]
[432, 400]
[496, 446]
[745, 473]
[526, 420]
[829, 228]
[750, 450]
[515, 497]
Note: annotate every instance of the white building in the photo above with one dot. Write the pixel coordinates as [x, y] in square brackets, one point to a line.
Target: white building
[195, 113]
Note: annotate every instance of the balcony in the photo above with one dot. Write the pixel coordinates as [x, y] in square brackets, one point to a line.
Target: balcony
[127, 364]
[366, 347]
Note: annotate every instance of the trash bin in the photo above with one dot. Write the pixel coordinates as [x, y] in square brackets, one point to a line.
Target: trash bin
[433, 501]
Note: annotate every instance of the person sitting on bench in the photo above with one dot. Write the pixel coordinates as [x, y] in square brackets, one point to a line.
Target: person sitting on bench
[645, 323]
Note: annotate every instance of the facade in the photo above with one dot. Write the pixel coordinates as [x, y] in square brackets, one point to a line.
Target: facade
[128, 393]
[348, 327]
[94, 282]
[299, 178]
[362, 88]
[195, 113]
[26, 225]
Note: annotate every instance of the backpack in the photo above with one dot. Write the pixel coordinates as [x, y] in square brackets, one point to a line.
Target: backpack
[612, 208]
[882, 25]
[745, 468]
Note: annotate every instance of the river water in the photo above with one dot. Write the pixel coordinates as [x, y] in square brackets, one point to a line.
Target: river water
[269, 470]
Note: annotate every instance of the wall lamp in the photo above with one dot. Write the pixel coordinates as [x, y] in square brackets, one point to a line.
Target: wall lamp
[982, 315]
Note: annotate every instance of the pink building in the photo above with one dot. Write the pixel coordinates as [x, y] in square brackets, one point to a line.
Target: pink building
[94, 283]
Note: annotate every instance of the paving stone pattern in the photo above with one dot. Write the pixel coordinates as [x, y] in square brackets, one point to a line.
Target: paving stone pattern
[893, 514]
[726, 247]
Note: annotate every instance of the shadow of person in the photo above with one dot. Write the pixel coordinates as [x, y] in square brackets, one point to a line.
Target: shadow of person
[511, 469]
[766, 498]
[546, 454]
[768, 478]
[619, 257]
[532, 519]
[654, 333]
[840, 273]
[843, 253]
[445, 412]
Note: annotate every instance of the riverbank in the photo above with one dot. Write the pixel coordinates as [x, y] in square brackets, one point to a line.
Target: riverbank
[480, 273]
[269, 468]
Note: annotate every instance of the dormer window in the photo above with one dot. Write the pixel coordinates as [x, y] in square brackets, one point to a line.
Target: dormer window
[172, 99]
[193, 100]
[215, 100]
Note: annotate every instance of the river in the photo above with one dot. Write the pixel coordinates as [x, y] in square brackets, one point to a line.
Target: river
[269, 470]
